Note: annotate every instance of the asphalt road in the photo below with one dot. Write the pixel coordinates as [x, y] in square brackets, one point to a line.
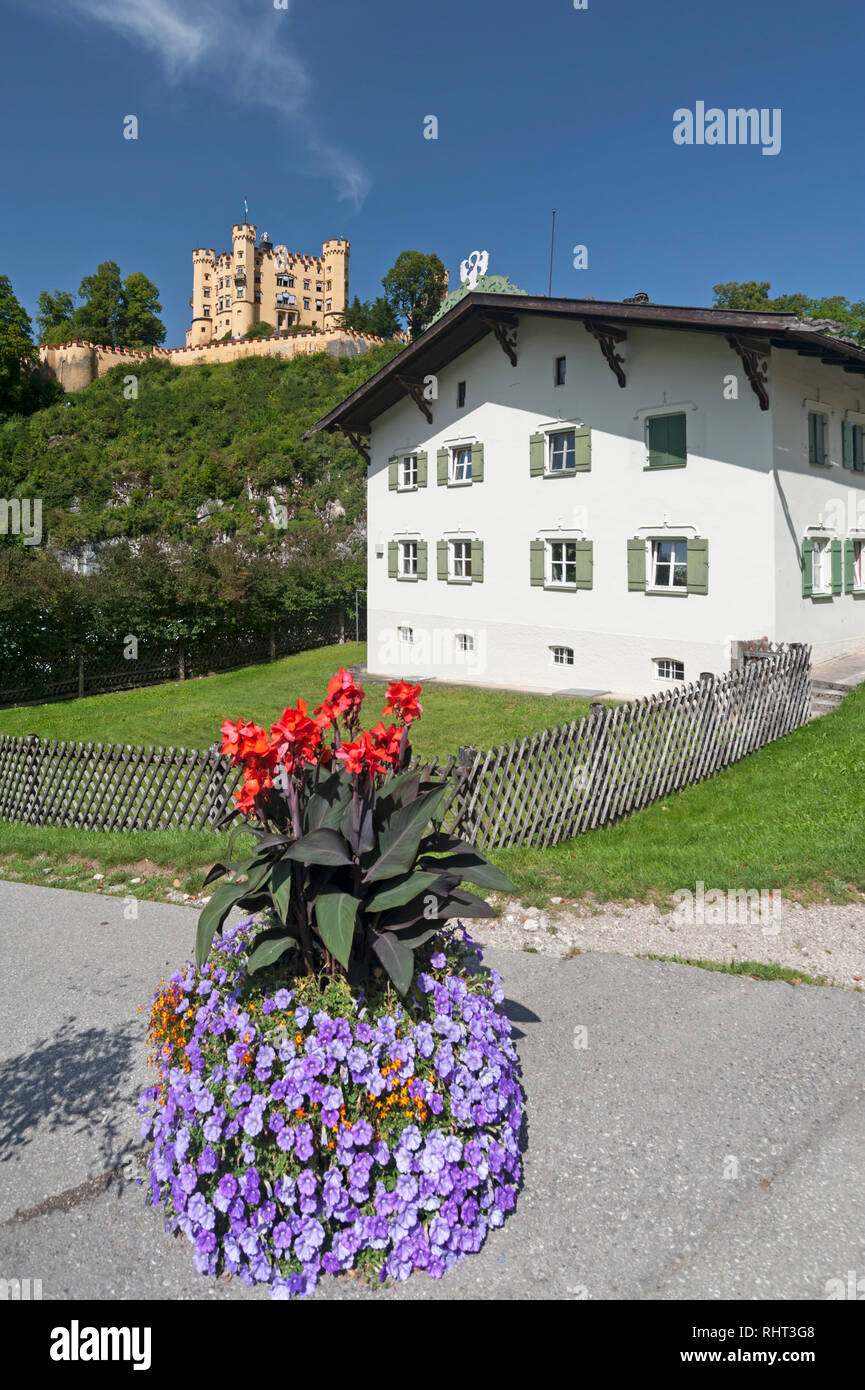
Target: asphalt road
[703, 1137]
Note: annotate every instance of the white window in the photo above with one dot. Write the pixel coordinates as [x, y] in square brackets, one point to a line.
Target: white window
[240, 292]
[306, 304]
[668, 670]
[329, 303]
[408, 470]
[563, 656]
[228, 301]
[318, 287]
[461, 465]
[562, 451]
[408, 559]
[207, 311]
[859, 564]
[563, 562]
[406, 634]
[207, 294]
[306, 284]
[821, 567]
[292, 299]
[318, 304]
[465, 642]
[669, 565]
[461, 559]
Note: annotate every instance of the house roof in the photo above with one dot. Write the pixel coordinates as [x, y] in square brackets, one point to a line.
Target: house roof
[478, 314]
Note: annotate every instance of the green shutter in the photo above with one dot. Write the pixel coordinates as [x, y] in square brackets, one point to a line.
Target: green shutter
[677, 442]
[537, 448]
[583, 449]
[807, 568]
[421, 468]
[667, 441]
[442, 467]
[816, 437]
[477, 562]
[846, 444]
[391, 560]
[698, 566]
[585, 564]
[536, 562]
[393, 473]
[421, 560]
[837, 566]
[477, 463]
[849, 558]
[637, 564]
[858, 453]
[442, 559]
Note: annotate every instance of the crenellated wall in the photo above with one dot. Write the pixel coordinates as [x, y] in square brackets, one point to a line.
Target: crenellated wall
[76, 364]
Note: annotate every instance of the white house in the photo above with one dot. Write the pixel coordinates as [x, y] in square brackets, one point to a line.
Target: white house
[545, 475]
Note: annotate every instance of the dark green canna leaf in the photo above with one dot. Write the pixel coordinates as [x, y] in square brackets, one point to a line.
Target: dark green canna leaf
[461, 903]
[471, 865]
[401, 889]
[216, 872]
[280, 886]
[323, 846]
[227, 895]
[268, 952]
[398, 960]
[400, 838]
[335, 915]
[324, 809]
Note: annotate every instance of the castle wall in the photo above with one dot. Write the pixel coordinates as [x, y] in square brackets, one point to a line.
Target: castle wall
[76, 365]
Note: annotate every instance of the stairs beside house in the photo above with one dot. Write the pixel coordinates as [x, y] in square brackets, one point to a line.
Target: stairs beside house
[826, 696]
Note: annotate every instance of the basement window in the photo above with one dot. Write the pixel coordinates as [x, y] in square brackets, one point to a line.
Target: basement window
[563, 656]
[667, 669]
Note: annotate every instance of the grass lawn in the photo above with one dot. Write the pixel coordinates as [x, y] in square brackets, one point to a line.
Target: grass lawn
[791, 816]
[188, 714]
[788, 817]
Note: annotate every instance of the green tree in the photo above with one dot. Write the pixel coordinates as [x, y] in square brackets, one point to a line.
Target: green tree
[754, 295]
[260, 330]
[139, 306]
[99, 317]
[371, 316]
[18, 357]
[54, 319]
[414, 287]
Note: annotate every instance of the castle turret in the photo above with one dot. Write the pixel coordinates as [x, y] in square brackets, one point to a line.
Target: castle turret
[243, 307]
[202, 301]
[335, 254]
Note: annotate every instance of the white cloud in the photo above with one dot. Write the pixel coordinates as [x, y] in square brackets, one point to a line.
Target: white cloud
[230, 47]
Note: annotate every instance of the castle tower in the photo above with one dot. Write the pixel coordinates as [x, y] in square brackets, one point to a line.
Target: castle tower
[243, 307]
[203, 278]
[334, 255]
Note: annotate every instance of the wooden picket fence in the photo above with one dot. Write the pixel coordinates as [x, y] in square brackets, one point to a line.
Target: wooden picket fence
[535, 791]
[564, 781]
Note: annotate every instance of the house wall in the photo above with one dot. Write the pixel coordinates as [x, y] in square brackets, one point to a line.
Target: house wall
[725, 494]
[829, 499]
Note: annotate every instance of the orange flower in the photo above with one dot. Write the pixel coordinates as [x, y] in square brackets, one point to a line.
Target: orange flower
[402, 700]
[344, 697]
[296, 737]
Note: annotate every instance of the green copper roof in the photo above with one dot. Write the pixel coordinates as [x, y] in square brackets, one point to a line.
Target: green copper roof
[485, 284]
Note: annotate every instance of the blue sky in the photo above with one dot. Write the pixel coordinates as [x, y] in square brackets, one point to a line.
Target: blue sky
[315, 115]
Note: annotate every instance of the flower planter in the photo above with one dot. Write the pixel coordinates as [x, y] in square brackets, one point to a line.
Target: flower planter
[303, 1127]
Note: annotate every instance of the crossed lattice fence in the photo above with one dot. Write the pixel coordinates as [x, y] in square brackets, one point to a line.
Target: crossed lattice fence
[563, 781]
[535, 791]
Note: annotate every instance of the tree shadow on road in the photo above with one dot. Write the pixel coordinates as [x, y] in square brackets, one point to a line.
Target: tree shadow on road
[73, 1082]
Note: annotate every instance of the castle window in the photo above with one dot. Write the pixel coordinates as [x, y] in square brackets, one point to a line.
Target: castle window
[206, 293]
[306, 284]
[329, 303]
[306, 304]
[318, 304]
[329, 285]
[292, 299]
[207, 311]
[318, 287]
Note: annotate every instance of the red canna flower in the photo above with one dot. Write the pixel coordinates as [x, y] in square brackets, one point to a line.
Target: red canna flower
[402, 700]
[243, 740]
[344, 697]
[296, 737]
[362, 755]
[387, 740]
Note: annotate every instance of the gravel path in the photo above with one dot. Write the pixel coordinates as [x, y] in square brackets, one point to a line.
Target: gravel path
[822, 940]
